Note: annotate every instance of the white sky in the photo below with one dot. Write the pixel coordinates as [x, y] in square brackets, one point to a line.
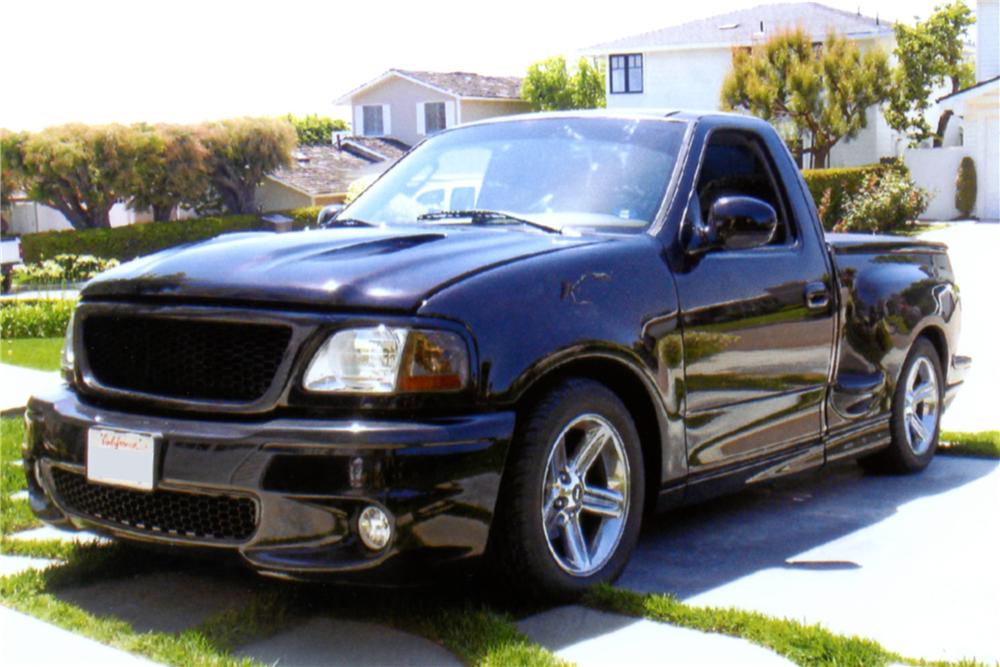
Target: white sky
[181, 60]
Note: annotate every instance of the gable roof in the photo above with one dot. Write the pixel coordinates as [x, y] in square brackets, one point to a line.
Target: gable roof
[463, 85]
[743, 28]
[329, 169]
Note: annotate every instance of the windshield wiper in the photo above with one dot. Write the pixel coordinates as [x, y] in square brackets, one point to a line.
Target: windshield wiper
[479, 216]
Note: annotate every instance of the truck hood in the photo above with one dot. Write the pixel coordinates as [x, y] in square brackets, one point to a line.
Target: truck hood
[386, 268]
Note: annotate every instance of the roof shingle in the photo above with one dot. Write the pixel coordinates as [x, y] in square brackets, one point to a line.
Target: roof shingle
[743, 27]
[329, 169]
[468, 84]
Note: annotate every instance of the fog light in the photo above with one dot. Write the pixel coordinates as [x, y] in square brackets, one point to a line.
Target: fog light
[374, 528]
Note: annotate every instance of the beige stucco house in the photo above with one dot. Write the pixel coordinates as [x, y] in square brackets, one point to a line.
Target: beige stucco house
[409, 105]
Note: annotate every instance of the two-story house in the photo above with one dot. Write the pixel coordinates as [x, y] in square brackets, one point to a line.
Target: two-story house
[409, 105]
[683, 66]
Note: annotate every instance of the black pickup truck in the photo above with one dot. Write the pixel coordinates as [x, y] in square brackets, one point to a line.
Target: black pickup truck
[634, 311]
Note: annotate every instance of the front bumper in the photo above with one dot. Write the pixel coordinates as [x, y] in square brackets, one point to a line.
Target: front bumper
[306, 481]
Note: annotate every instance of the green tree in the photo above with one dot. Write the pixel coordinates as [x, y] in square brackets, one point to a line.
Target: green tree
[241, 152]
[81, 170]
[930, 55]
[821, 92]
[551, 86]
[172, 169]
[315, 130]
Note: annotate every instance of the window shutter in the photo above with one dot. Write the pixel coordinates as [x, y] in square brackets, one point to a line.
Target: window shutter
[421, 119]
[386, 120]
[449, 114]
[359, 121]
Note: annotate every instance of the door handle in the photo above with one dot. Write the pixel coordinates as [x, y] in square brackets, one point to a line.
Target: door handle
[817, 296]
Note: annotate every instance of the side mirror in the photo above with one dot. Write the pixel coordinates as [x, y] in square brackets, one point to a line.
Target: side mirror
[738, 223]
[328, 213]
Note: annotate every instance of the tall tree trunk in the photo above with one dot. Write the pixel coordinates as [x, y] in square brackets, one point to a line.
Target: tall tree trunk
[821, 157]
[101, 218]
[163, 212]
[942, 126]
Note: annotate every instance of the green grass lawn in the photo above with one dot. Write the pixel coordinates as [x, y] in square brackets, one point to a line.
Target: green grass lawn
[984, 444]
[40, 353]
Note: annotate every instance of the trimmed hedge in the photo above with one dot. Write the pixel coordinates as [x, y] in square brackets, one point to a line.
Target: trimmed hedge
[131, 241]
[35, 318]
[833, 188]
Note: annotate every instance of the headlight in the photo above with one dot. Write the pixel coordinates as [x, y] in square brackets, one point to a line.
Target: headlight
[383, 360]
[68, 356]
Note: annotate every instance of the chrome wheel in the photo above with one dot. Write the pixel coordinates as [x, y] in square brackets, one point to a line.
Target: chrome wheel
[585, 495]
[920, 406]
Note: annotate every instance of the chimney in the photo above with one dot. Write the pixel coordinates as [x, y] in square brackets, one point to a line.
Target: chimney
[987, 39]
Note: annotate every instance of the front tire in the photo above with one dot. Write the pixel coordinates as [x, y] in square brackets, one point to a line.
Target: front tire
[916, 414]
[571, 503]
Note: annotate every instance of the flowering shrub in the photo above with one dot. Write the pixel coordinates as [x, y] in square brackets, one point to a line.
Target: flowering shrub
[62, 269]
[885, 202]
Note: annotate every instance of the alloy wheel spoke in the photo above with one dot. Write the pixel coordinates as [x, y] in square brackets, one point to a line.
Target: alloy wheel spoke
[576, 545]
[923, 393]
[590, 449]
[604, 502]
[557, 465]
[917, 424]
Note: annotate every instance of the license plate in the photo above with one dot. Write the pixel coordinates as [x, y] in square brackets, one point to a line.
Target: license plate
[122, 458]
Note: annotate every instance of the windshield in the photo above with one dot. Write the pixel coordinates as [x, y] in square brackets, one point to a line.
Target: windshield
[556, 172]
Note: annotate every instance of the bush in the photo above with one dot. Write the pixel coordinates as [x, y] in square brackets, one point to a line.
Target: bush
[965, 187]
[885, 203]
[315, 130]
[36, 318]
[832, 188]
[62, 269]
[129, 242]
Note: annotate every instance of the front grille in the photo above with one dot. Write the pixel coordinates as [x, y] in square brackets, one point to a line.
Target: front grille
[185, 359]
[186, 515]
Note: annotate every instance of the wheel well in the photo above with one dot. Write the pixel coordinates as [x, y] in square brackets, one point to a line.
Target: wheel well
[937, 339]
[633, 393]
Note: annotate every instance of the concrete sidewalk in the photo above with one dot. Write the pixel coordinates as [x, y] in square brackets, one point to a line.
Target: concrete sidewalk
[27, 642]
[17, 384]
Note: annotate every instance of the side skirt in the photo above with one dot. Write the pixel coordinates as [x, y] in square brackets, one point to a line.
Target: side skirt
[851, 442]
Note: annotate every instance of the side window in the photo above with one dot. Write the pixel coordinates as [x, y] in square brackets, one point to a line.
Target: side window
[735, 163]
[434, 117]
[372, 116]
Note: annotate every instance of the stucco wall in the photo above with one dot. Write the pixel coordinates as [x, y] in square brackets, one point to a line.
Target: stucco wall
[28, 217]
[273, 196]
[402, 96]
[935, 169]
[689, 79]
[473, 110]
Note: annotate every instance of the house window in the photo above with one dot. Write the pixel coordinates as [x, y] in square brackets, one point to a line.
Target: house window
[372, 120]
[626, 73]
[434, 117]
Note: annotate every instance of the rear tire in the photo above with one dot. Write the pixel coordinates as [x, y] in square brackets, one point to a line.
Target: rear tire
[916, 414]
[571, 501]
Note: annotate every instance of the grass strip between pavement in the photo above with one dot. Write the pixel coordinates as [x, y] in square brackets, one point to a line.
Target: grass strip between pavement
[985, 444]
[810, 645]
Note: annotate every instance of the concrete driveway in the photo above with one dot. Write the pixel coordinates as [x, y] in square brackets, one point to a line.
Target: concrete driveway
[909, 561]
